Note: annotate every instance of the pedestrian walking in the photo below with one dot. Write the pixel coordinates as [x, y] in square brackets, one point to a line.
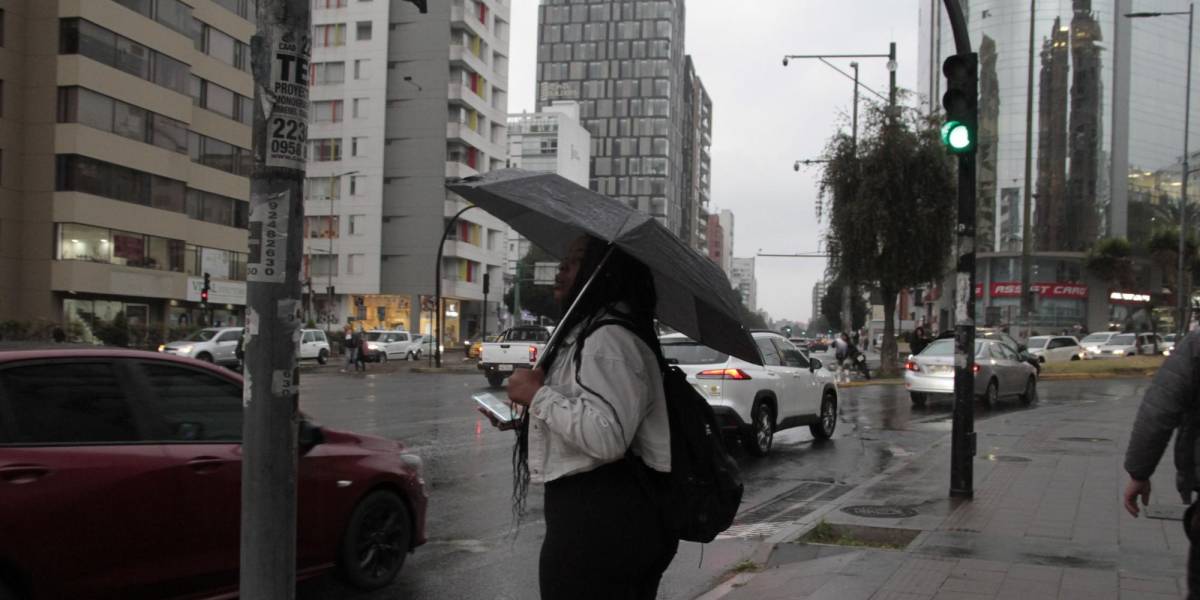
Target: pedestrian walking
[360, 350]
[349, 346]
[1169, 405]
[595, 432]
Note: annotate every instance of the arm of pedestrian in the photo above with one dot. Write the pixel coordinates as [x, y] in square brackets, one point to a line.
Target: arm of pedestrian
[1168, 399]
[1133, 490]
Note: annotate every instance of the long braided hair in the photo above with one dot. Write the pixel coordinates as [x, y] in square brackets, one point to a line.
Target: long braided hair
[624, 289]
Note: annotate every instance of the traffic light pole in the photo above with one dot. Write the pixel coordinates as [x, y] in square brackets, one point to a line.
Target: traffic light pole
[437, 301]
[961, 102]
[280, 56]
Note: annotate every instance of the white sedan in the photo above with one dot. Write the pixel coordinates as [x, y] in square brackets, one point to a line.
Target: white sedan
[998, 372]
[1130, 344]
[1055, 348]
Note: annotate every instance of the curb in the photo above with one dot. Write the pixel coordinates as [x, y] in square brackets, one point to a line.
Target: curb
[1081, 376]
[444, 370]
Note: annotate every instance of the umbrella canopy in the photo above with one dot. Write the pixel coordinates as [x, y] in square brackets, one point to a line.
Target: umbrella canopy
[694, 295]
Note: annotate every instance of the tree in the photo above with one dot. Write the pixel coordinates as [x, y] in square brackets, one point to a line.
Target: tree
[831, 309]
[751, 319]
[537, 299]
[1111, 259]
[892, 206]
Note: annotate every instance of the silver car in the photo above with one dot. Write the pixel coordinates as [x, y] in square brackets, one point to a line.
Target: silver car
[212, 344]
[998, 372]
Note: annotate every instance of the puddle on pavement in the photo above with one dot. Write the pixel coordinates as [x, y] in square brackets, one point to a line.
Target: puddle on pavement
[860, 536]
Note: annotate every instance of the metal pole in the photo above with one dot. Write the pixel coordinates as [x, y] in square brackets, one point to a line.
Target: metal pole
[962, 444]
[280, 57]
[892, 78]
[1181, 288]
[1026, 235]
[517, 297]
[332, 261]
[847, 289]
[437, 300]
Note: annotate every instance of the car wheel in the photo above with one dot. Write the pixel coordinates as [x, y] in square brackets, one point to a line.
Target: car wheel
[322, 356]
[992, 395]
[381, 356]
[410, 357]
[757, 439]
[495, 380]
[918, 399]
[204, 356]
[1030, 395]
[1074, 357]
[823, 429]
[1042, 359]
[376, 541]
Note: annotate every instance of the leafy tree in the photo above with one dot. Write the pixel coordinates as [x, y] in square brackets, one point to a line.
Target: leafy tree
[751, 319]
[891, 200]
[1111, 259]
[831, 309]
[537, 299]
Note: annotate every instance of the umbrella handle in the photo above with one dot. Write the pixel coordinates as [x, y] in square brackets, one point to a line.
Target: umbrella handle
[559, 333]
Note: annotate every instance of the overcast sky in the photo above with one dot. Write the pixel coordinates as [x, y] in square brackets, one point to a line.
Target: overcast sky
[765, 115]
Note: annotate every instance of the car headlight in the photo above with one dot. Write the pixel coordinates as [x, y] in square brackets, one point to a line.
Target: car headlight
[184, 349]
[1167, 352]
[372, 346]
[162, 347]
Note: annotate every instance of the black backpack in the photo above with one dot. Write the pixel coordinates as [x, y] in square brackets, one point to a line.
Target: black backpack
[705, 483]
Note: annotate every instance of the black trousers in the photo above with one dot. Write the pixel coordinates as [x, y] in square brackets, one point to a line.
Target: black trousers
[1191, 526]
[605, 538]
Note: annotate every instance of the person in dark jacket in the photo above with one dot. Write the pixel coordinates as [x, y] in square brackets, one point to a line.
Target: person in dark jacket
[1170, 406]
[919, 341]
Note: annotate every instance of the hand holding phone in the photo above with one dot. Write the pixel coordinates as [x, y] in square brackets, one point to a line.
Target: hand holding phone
[502, 414]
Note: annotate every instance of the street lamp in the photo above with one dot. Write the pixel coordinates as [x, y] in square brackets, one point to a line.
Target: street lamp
[337, 180]
[1181, 293]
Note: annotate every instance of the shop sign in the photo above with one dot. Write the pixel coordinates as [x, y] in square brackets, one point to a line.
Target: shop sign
[1012, 289]
[219, 291]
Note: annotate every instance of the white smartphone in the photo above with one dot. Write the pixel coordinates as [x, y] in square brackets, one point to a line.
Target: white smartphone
[501, 409]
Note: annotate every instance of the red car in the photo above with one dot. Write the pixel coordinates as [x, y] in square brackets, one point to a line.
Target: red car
[120, 477]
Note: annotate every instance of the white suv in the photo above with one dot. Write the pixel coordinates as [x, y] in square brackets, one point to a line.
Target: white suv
[314, 346]
[790, 389]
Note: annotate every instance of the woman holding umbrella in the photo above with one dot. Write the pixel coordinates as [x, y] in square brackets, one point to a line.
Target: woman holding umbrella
[594, 419]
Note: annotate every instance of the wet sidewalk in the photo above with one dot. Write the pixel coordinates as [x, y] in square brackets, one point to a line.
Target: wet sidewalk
[1046, 521]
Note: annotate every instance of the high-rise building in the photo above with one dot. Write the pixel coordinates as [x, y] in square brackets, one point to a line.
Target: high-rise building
[697, 160]
[818, 296]
[405, 100]
[552, 141]
[720, 240]
[745, 283]
[124, 163]
[624, 63]
[1108, 98]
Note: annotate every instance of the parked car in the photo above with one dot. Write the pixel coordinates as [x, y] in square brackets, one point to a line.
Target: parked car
[383, 346]
[1130, 344]
[1168, 344]
[135, 458]
[983, 333]
[790, 389]
[1055, 348]
[314, 346]
[1094, 341]
[818, 345]
[998, 372]
[516, 348]
[213, 344]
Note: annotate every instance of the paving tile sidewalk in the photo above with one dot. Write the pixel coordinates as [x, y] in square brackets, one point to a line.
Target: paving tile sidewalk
[1046, 522]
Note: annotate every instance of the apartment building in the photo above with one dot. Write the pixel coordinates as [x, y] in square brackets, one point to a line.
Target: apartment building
[124, 163]
[401, 101]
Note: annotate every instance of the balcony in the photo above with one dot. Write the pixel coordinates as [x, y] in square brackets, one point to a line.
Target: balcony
[460, 56]
[459, 170]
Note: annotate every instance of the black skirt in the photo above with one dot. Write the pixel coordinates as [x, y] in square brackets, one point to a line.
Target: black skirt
[605, 537]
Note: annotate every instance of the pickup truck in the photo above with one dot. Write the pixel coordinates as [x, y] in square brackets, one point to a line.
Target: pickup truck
[517, 348]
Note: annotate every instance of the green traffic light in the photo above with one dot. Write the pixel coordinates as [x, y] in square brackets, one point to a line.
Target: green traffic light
[957, 136]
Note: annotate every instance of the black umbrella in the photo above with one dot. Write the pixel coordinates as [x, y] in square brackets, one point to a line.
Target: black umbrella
[694, 296]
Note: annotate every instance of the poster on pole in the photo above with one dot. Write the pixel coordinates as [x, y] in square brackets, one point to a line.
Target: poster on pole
[267, 261]
[287, 98]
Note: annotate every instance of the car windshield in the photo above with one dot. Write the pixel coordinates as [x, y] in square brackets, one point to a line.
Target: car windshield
[946, 348]
[691, 353]
[203, 335]
[1095, 338]
[373, 336]
[1125, 339]
[1170, 337]
[1037, 342]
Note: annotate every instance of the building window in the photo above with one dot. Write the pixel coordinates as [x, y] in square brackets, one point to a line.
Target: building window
[319, 4]
[363, 31]
[83, 106]
[221, 100]
[549, 146]
[327, 73]
[217, 154]
[358, 146]
[171, 13]
[355, 263]
[362, 68]
[77, 36]
[322, 265]
[97, 244]
[360, 107]
[325, 150]
[322, 188]
[327, 111]
[356, 185]
[325, 227]
[356, 225]
[246, 9]
[330, 36]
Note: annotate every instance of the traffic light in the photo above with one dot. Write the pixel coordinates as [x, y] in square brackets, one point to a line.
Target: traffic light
[204, 290]
[487, 283]
[788, 330]
[961, 102]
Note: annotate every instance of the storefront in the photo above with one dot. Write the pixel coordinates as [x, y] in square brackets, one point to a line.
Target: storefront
[1056, 305]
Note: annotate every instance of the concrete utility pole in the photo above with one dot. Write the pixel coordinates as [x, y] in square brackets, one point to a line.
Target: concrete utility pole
[1026, 230]
[280, 53]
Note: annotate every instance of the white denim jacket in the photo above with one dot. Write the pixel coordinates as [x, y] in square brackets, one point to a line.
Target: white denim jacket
[572, 430]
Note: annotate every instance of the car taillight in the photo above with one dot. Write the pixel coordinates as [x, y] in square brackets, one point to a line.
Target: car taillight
[975, 368]
[911, 365]
[532, 354]
[736, 374]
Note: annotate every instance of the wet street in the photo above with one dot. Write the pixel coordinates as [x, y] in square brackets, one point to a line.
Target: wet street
[476, 551]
